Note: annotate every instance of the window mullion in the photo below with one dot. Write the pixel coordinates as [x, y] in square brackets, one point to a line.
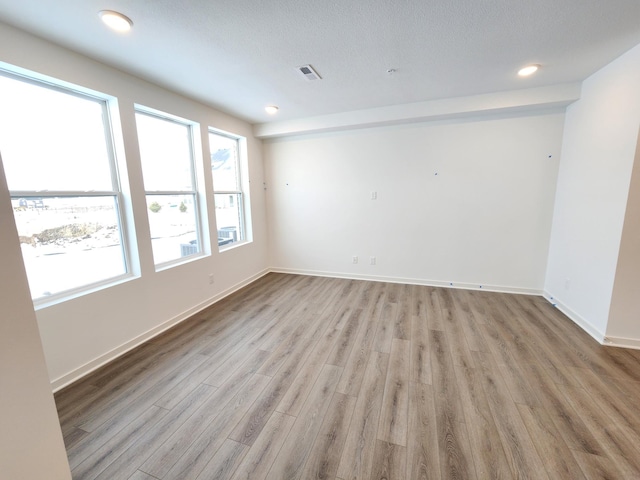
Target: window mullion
[170, 192]
[228, 192]
[65, 193]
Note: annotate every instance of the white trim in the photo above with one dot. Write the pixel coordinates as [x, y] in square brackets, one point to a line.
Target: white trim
[66, 295]
[576, 318]
[622, 342]
[111, 355]
[162, 115]
[412, 281]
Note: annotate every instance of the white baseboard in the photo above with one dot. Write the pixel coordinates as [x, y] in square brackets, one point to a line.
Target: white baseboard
[111, 355]
[600, 337]
[411, 281]
[576, 318]
[622, 342]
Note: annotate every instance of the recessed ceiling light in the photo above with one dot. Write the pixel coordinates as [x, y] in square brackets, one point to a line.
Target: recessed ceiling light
[271, 109]
[528, 70]
[116, 21]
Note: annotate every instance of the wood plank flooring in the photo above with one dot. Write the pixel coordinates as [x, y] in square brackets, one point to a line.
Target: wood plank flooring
[297, 377]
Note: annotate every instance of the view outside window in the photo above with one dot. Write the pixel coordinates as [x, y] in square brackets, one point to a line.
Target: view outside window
[227, 186]
[166, 151]
[57, 155]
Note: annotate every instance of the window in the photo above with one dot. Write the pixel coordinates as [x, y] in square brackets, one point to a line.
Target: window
[57, 153]
[166, 152]
[230, 201]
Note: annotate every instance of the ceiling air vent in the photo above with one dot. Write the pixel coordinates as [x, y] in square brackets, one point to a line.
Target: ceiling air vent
[309, 73]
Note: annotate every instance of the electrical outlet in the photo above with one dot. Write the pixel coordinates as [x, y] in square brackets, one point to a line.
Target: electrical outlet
[211, 279]
[355, 259]
[374, 195]
[372, 261]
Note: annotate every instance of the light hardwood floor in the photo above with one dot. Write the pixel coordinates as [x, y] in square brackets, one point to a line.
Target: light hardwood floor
[319, 378]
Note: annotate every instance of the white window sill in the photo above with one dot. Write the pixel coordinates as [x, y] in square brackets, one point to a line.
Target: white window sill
[233, 245]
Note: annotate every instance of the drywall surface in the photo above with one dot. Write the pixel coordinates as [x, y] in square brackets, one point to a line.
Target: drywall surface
[624, 317]
[466, 202]
[79, 334]
[600, 136]
[512, 102]
[31, 443]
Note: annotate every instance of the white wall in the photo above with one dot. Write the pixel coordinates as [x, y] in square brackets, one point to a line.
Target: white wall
[600, 136]
[623, 327]
[484, 219]
[465, 201]
[31, 443]
[79, 334]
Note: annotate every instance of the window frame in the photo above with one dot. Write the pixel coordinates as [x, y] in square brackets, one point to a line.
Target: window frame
[194, 192]
[241, 161]
[107, 103]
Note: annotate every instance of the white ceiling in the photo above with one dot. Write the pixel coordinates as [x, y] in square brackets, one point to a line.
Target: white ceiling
[241, 55]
